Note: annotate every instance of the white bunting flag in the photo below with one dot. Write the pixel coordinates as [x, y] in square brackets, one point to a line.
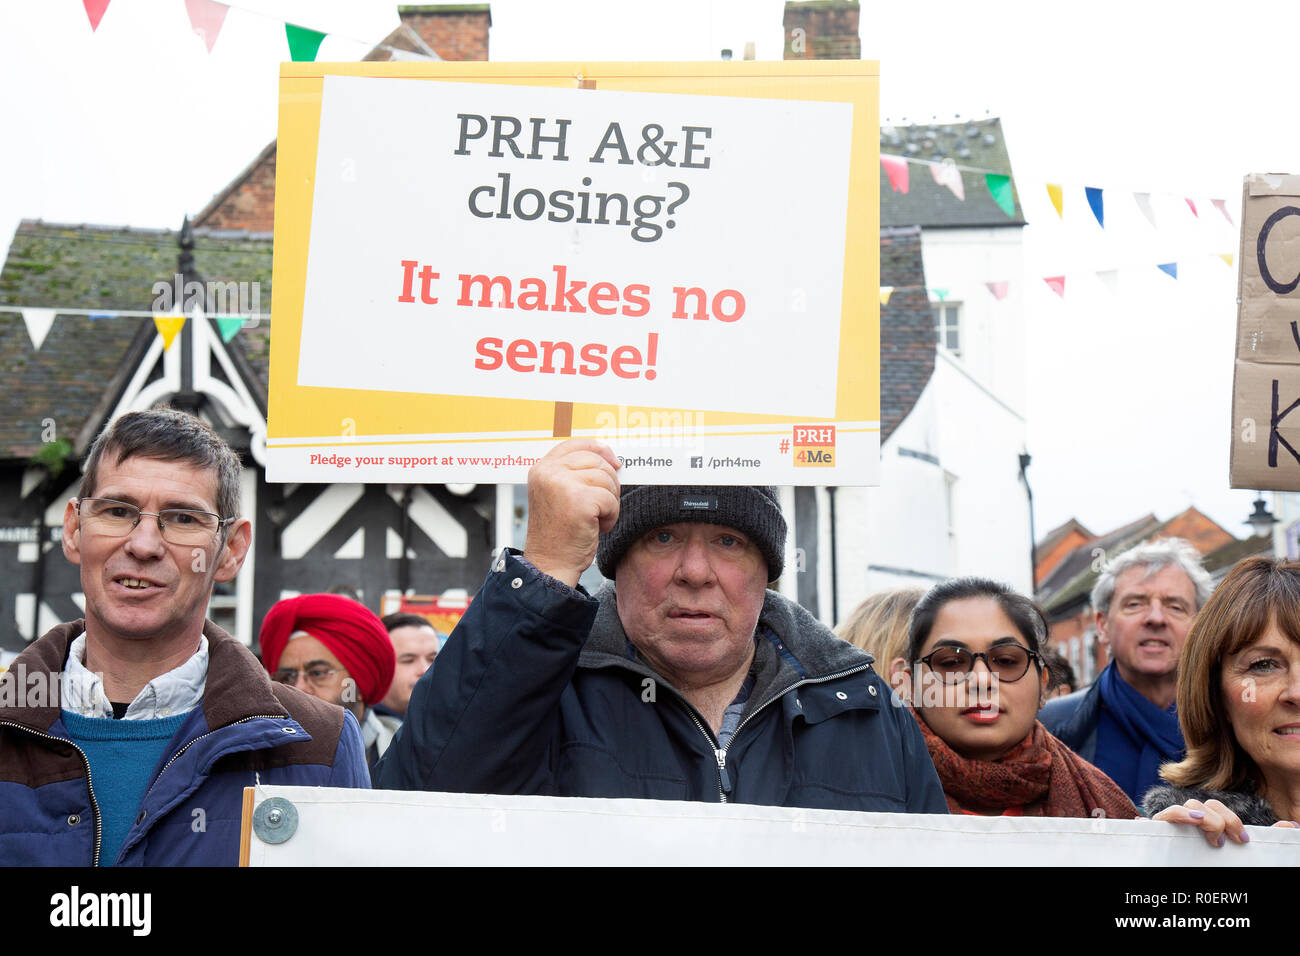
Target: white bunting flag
[38, 322]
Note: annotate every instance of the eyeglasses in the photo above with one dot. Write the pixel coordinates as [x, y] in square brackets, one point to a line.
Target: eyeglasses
[117, 519]
[317, 675]
[1009, 662]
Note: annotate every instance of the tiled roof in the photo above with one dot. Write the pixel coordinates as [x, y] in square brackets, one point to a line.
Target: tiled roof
[975, 143]
[906, 327]
[1070, 583]
[1072, 579]
[1220, 561]
[1058, 534]
[83, 360]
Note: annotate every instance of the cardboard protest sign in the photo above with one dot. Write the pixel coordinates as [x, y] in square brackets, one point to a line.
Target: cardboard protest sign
[1266, 381]
[472, 259]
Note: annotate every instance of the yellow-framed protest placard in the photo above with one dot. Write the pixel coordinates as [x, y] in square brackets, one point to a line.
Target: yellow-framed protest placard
[473, 259]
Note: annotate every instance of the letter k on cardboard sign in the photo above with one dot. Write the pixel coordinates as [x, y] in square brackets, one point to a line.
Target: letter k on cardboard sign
[1266, 380]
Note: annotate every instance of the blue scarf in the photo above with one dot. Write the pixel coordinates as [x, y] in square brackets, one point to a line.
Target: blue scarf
[1134, 736]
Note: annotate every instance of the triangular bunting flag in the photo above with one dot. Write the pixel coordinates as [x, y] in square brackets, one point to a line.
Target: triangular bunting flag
[95, 10]
[303, 43]
[168, 326]
[947, 174]
[1222, 206]
[1000, 190]
[1193, 207]
[896, 169]
[999, 289]
[885, 292]
[1058, 199]
[1110, 279]
[228, 325]
[1168, 268]
[1057, 284]
[38, 323]
[1226, 257]
[1095, 203]
[1144, 203]
[940, 294]
[206, 18]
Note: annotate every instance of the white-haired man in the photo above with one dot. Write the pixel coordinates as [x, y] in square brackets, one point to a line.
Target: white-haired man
[1126, 722]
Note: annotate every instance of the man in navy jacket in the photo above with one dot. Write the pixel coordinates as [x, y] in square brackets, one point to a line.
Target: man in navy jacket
[127, 738]
[686, 679]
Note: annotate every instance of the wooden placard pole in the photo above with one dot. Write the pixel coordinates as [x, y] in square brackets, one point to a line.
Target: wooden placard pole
[562, 427]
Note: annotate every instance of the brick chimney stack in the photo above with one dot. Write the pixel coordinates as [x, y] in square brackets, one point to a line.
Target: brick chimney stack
[822, 30]
[457, 31]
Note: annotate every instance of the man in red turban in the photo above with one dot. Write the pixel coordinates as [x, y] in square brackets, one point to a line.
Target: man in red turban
[334, 648]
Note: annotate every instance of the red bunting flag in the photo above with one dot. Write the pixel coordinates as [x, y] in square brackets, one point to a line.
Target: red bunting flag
[1193, 206]
[206, 18]
[999, 289]
[896, 169]
[1057, 284]
[95, 10]
[1222, 206]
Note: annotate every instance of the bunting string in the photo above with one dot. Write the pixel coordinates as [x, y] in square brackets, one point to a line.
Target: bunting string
[39, 319]
[948, 173]
[207, 17]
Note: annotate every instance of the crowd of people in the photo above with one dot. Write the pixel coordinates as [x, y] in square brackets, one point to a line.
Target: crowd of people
[686, 677]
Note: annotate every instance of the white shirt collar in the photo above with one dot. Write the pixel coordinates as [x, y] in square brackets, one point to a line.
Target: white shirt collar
[177, 692]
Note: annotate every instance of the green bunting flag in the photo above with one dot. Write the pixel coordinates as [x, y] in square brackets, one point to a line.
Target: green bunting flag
[303, 43]
[1000, 189]
[228, 325]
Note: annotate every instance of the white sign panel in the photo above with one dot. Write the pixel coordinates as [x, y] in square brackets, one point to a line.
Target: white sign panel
[642, 249]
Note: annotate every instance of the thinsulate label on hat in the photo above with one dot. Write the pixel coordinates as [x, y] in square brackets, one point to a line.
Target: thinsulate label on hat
[699, 504]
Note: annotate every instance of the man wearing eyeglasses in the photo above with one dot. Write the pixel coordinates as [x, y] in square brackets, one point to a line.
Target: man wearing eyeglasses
[334, 648]
[154, 719]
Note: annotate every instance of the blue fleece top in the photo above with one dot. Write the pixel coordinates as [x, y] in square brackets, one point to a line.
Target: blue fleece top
[122, 755]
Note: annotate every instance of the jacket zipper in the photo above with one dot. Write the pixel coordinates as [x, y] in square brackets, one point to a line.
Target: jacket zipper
[720, 753]
[85, 760]
[242, 720]
[94, 804]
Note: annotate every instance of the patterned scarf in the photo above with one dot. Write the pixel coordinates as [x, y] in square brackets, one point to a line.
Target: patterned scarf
[1040, 774]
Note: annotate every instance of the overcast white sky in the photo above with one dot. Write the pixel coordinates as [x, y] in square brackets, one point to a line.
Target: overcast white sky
[1130, 394]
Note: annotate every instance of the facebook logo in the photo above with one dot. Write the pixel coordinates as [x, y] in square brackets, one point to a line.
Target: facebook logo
[697, 461]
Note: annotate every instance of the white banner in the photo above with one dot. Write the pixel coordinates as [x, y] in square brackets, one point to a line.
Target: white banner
[329, 827]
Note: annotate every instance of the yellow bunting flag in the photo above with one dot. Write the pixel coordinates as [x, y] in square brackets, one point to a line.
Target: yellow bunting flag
[885, 292]
[1054, 192]
[168, 326]
[1226, 257]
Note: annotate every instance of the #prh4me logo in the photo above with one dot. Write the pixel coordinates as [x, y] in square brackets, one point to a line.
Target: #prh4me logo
[814, 446]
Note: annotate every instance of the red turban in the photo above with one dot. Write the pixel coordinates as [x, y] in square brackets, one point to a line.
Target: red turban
[349, 629]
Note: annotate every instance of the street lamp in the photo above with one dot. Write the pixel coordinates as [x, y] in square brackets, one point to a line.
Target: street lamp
[1261, 520]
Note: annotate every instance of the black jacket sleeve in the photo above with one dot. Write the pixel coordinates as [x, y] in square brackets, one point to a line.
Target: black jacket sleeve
[485, 717]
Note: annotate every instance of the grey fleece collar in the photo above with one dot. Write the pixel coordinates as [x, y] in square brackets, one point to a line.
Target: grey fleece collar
[819, 652]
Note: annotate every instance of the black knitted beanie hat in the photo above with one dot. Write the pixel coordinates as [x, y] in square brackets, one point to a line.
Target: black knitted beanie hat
[751, 510]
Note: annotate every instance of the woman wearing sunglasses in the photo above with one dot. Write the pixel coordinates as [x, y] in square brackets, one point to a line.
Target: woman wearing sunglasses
[976, 679]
